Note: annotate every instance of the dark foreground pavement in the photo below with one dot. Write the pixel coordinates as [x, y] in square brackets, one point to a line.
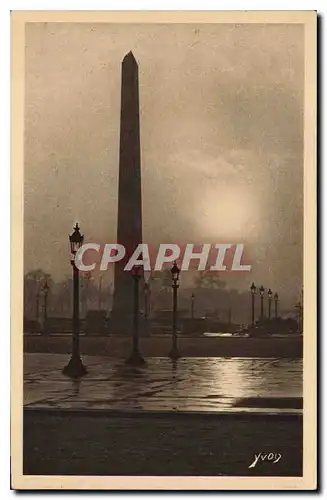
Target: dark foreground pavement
[109, 443]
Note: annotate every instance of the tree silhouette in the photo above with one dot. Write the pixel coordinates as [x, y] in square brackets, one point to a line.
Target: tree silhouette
[34, 282]
[206, 280]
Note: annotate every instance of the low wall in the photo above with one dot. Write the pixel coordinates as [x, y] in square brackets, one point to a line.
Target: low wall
[159, 346]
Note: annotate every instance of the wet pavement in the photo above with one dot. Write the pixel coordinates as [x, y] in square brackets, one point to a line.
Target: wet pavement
[233, 385]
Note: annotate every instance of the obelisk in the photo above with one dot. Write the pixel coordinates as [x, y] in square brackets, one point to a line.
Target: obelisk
[129, 223]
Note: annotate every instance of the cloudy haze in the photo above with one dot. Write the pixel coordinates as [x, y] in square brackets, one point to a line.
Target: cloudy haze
[221, 139]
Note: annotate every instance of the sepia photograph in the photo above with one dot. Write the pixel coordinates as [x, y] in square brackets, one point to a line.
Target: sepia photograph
[163, 226]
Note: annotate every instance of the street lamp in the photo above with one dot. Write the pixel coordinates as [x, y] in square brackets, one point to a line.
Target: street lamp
[45, 310]
[299, 308]
[262, 293]
[174, 353]
[192, 305]
[270, 294]
[100, 293]
[146, 305]
[86, 287]
[276, 304]
[75, 367]
[37, 306]
[135, 357]
[253, 290]
[146, 299]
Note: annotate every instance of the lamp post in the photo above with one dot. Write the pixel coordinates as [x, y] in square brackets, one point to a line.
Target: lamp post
[262, 293]
[75, 367]
[192, 305]
[100, 294]
[45, 310]
[146, 305]
[298, 308]
[37, 305]
[253, 290]
[276, 304]
[269, 302]
[146, 299]
[135, 357]
[174, 353]
[86, 293]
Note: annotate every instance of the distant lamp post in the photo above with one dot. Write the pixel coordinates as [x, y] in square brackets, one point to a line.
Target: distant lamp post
[75, 367]
[146, 305]
[45, 310]
[100, 293]
[86, 293]
[270, 294]
[253, 290]
[146, 300]
[192, 305]
[276, 304]
[262, 293]
[37, 305]
[299, 308]
[174, 353]
[135, 357]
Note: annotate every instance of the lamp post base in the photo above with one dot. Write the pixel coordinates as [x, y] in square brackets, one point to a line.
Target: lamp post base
[174, 353]
[135, 359]
[75, 368]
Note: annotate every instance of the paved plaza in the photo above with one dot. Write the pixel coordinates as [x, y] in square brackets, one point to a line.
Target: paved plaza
[190, 385]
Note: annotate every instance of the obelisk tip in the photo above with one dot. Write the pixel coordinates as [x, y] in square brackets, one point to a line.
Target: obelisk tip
[129, 58]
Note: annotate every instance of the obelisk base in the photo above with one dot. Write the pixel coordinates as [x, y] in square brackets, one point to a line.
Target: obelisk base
[122, 324]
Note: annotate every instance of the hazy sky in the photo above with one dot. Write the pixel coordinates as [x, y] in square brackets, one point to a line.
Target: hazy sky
[221, 139]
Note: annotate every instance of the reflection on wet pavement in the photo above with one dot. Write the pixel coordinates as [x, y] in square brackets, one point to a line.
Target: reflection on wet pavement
[191, 384]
